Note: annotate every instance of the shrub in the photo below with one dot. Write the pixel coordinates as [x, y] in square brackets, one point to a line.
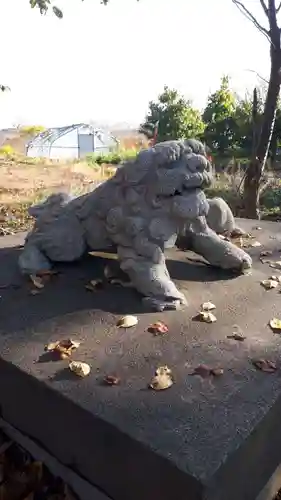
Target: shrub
[7, 150]
[113, 158]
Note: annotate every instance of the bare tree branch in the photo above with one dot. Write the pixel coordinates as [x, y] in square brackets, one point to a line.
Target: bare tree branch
[251, 18]
[278, 8]
[258, 75]
[265, 8]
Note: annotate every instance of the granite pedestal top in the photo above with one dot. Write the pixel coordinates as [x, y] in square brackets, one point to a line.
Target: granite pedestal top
[214, 438]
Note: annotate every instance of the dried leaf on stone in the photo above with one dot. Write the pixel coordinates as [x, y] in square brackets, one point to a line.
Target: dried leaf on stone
[158, 328]
[127, 321]
[275, 324]
[265, 365]
[208, 306]
[37, 281]
[265, 253]
[63, 348]
[111, 380]
[269, 284]
[162, 379]
[79, 368]
[255, 244]
[207, 317]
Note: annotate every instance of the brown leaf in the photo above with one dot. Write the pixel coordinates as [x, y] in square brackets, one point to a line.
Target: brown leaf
[265, 253]
[269, 284]
[94, 285]
[265, 365]
[158, 328]
[207, 317]
[208, 306]
[111, 380]
[237, 336]
[275, 324]
[162, 379]
[127, 321]
[79, 368]
[63, 348]
[217, 372]
[203, 371]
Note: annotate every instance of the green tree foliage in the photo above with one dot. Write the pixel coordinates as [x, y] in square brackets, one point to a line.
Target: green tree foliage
[175, 117]
[219, 118]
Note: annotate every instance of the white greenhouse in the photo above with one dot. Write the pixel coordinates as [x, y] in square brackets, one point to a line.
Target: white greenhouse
[73, 141]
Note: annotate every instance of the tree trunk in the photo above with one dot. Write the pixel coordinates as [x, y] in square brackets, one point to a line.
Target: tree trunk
[261, 148]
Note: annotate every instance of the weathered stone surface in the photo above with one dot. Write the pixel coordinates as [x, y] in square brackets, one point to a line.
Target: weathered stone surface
[214, 439]
[140, 211]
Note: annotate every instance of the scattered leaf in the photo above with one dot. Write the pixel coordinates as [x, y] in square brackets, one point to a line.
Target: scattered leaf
[275, 324]
[255, 244]
[111, 380]
[158, 328]
[63, 348]
[208, 306]
[162, 379]
[276, 264]
[127, 321]
[217, 372]
[269, 284]
[265, 253]
[79, 368]
[37, 281]
[207, 317]
[257, 228]
[265, 365]
[35, 291]
[237, 336]
[276, 278]
[94, 285]
[203, 371]
[104, 255]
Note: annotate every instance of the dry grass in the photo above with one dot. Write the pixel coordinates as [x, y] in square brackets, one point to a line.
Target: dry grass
[23, 181]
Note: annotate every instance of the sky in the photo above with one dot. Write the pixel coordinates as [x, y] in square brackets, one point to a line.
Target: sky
[104, 64]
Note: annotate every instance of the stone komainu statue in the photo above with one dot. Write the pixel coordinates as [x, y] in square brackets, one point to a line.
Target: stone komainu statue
[150, 204]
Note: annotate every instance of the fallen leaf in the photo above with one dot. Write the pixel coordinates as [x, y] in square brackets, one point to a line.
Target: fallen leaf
[217, 372]
[94, 285]
[276, 264]
[125, 284]
[35, 291]
[255, 244]
[265, 253]
[37, 281]
[237, 336]
[276, 278]
[162, 379]
[104, 255]
[257, 228]
[127, 321]
[207, 317]
[203, 371]
[63, 348]
[79, 368]
[158, 328]
[269, 284]
[275, 324]
[208, 306]
[111, 380]
[265, 365]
